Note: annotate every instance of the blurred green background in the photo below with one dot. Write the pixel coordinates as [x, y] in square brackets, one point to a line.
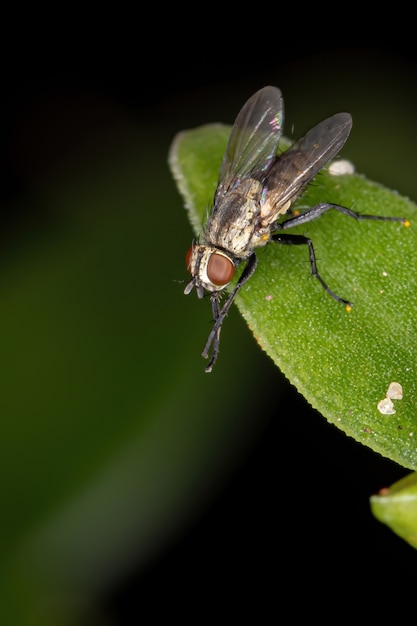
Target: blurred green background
[131, 481]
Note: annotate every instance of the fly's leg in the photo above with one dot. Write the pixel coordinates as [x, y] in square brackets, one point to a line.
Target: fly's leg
[309, 216]
[297, 240]
[319, 209]
[220, 313]
[216, 336]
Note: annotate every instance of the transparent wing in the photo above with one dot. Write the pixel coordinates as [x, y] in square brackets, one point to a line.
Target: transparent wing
[299, 164]
[253, 140]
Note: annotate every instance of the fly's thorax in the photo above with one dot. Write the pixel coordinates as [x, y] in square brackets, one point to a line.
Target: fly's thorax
[211, 269]
[234, 218]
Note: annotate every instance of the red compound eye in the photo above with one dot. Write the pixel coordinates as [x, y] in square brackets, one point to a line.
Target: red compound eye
[188, 258]
[220, 269]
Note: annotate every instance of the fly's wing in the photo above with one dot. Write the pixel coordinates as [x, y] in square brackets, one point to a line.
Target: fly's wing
[299, 164]
[253, 140]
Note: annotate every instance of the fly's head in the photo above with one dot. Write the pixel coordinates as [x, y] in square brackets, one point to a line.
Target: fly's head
[211, 269]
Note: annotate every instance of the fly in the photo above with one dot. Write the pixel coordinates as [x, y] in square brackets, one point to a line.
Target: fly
[257, 186]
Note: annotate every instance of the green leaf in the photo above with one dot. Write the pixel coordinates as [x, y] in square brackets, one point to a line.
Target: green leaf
[341, 361]
[397, 508]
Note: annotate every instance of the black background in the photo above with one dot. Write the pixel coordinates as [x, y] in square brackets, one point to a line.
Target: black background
[238, 555]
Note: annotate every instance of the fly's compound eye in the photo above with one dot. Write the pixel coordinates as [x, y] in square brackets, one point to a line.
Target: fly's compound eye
[188, 258]
[220, 269]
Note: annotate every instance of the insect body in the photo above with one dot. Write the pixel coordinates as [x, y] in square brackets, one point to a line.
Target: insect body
[256, 187]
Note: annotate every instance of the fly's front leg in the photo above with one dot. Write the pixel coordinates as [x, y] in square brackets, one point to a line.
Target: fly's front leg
[215, 335]
[297, 240]
[220, 313]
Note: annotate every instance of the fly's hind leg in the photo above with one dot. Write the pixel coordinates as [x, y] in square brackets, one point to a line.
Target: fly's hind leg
[300, 240]
[309, 216]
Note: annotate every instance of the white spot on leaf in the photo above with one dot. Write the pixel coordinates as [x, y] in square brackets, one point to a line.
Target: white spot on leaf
[395, 391]
[341, 167]
[386, 406]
